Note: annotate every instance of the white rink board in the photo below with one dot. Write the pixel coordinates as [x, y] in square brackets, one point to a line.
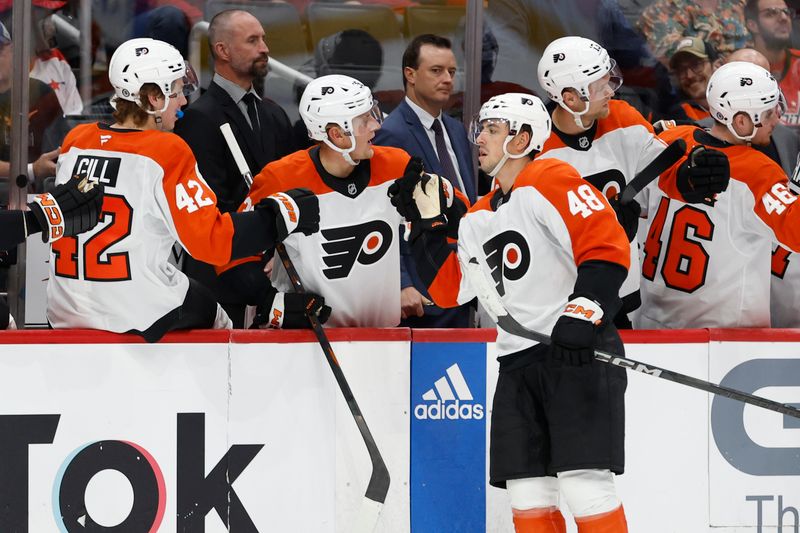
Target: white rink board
[281, 396]
[675, 476]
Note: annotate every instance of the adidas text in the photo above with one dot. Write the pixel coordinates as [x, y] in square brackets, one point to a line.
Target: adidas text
[448, 411]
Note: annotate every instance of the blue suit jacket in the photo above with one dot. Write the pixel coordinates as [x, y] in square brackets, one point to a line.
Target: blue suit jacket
[402, 129]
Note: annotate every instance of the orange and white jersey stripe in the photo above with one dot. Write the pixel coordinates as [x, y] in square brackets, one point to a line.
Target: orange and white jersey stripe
[609, 155]
[354, 260]
[532, 244]
[709, 265]
[117, 277]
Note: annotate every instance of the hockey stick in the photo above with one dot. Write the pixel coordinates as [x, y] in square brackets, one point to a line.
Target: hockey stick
[237, 154]
[662, 162]
[378, 486]
[494, 305]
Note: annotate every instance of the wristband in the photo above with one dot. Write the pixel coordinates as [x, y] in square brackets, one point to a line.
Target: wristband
[276, 312]
[53, 217]
[583, 308]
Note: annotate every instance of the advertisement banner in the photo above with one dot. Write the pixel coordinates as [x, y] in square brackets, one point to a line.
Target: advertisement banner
[448, 437]
[754, 454]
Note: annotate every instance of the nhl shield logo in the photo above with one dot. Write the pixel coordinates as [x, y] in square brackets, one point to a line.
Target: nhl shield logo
[352, 190]
[583, 142]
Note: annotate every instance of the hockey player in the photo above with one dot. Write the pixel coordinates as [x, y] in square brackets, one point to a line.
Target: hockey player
[116, 277]
[707, 265]
[354, 261]
[606, 140]
[551, 244]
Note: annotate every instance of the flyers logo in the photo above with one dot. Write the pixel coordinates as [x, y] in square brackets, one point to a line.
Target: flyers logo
[363, 243]
[610, 182]
[558, 57]
[745, 81]
[508, 256]
[327, 90]
[142, 51]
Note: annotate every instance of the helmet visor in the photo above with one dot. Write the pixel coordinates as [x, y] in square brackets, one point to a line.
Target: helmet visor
[606, 86]
[190, 83]
[362, 123]
[487, 127]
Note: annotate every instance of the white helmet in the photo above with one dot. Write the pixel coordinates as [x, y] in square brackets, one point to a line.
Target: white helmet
[140, 61]
[336, 99]
[741, 87]
[516, 110]
[575, 63]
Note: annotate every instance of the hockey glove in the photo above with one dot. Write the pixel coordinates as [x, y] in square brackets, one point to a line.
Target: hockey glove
[296, 210]
[627, 215]
[573, 336]
[72, 208]
[290, 310]
[402, 190]
[705, 173]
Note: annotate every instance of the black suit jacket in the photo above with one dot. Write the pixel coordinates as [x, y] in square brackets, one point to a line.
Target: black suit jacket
[199, 127]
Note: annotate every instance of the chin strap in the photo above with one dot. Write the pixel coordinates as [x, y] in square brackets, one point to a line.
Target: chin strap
[577, 117]
[344, 151]
[507, 156]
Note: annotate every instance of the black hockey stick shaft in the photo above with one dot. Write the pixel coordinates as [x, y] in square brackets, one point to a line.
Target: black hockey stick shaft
[491, 300]
[378, 486]
[509, 323]
[379, 480]
[657, 166]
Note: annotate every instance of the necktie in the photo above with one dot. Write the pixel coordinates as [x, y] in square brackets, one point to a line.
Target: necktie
[444, 156]
[251, 102]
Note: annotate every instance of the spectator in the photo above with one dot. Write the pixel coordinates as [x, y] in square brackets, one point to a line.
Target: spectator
[419, 127]
[44, 110]
[720, 22]
[770, 22]
[236, 39]
[692, 63]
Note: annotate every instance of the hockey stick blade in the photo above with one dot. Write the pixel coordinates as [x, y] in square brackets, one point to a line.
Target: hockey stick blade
[379, 480]
[494, 305]
[657, 166]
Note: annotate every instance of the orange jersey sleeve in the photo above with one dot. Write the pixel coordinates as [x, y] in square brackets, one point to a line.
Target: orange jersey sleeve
[593, 228]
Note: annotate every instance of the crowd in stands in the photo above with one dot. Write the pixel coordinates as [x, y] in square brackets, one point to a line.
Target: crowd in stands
[666, 50]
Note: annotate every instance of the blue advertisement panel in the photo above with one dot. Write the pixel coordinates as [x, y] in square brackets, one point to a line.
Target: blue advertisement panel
[448, 437]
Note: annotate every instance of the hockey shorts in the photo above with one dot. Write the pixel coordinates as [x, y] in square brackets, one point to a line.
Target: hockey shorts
[548, 417]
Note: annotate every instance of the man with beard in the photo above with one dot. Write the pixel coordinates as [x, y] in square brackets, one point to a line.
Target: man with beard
[692, 64]
[770, 22]
[237, 42]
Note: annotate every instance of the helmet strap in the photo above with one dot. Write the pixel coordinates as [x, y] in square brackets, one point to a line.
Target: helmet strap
[507, 156]
[344, 151]
[576, 116]
[747, 138]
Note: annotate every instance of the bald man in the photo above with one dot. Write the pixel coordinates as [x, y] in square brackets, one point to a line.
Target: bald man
[238, 46]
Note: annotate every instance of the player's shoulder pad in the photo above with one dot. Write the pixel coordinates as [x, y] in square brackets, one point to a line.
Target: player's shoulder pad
[387, 163]
[623, 115]
[289, 172]
[544, 173]
[82, 135]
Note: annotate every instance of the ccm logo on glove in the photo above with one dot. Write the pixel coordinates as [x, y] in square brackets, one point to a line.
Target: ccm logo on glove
[584, 309]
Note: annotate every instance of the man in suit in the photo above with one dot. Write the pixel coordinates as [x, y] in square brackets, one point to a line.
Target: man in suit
[236, 39]
[419, 126]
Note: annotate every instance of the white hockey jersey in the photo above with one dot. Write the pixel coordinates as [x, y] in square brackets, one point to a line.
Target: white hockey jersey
[609, 155]
[354, 260]
[117, 277]
[707, 266]
[531, 246]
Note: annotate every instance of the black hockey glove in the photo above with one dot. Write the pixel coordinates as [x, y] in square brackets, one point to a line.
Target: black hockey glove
[573, 336]
[402, 190]
[705, 173]
[71, 208]
[627, 215]
[295, 210]
[290, 310]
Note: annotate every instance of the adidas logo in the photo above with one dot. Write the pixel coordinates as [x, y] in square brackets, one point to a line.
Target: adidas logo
[449, 399]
